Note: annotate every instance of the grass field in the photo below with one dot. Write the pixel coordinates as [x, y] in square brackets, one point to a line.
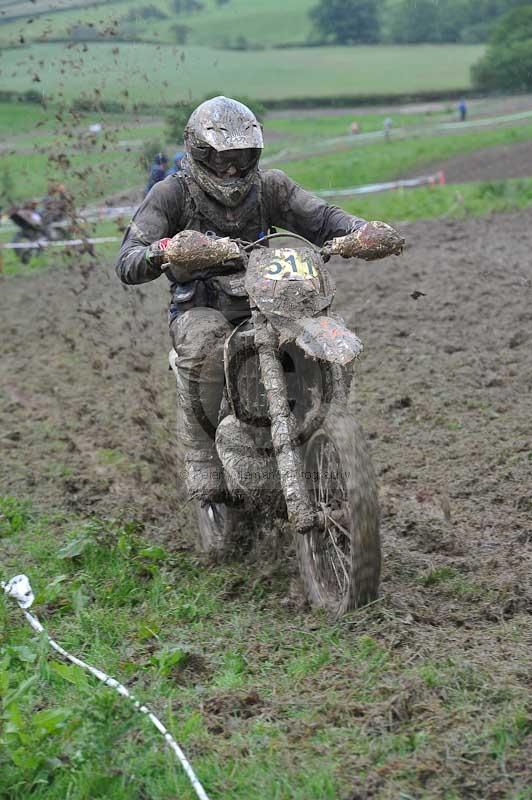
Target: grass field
[383, 161]
[458, 200]
[219, 658]
[305, 130]
[88, 175]
[162, 75]
[214, 26]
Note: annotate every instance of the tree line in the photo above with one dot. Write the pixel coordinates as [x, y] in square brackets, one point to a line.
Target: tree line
[407, 21]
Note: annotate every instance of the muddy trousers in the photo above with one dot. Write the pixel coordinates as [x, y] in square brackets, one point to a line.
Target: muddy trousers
[198, 336]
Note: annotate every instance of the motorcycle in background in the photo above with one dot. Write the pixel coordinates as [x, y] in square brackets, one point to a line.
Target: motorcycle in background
[33, 229]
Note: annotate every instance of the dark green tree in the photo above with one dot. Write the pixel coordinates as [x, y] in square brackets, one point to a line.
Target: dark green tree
[346, 21]
[507, 63]
[516, 26]
[414, 21]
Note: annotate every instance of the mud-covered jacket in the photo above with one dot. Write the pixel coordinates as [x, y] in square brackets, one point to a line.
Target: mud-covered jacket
[178, 204]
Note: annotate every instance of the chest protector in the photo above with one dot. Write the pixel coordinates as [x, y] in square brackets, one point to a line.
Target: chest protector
[202, 213]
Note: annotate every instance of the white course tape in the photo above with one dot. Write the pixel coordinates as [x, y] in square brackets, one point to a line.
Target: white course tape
[94, 214]
[20, 590]
[59, 243]
[409, 183]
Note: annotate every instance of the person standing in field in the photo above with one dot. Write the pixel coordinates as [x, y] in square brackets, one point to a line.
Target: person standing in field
[387, 128]
[462, 110]
[157, 171]
[178, 158]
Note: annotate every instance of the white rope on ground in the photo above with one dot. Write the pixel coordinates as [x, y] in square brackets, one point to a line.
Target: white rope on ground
[20, 590]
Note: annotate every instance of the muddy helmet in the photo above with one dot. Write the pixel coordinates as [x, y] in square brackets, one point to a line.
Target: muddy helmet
[223, 141]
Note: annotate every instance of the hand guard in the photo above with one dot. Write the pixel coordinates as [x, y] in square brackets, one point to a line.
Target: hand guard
[156, 252]
[371, 241]
[192, 254]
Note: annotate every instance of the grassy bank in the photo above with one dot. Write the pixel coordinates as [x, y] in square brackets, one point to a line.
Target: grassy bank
[268, 701]
[457, 200]
[237, 22]
[384, 161]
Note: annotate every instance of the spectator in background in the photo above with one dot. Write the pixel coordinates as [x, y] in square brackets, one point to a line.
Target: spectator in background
[157, 171]
[462, 110]
[355, 128]
[387, 128]
[177, 163]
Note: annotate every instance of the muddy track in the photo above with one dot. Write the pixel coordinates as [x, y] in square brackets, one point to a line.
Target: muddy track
[86, 404]
[445, 395]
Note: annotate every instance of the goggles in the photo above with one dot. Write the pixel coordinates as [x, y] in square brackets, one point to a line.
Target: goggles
[228, 163]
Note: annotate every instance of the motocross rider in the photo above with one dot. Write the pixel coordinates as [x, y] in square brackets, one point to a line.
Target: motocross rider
[219, 191]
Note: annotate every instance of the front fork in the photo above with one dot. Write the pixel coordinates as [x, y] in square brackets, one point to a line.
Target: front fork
[300, 509]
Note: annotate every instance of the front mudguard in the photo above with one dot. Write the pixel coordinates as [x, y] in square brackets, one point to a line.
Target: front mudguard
[323, 337]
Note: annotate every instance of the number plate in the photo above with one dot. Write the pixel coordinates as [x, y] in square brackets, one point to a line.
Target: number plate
[295, 266]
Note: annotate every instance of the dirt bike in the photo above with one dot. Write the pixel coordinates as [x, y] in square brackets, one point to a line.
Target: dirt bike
[32, 229]
[285, 430]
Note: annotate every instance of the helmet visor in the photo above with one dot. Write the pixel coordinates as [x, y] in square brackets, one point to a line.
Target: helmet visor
[228, 164]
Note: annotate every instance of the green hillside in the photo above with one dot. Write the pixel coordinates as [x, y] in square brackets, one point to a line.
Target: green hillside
[236, 23]
[164, 74]
[153, 52]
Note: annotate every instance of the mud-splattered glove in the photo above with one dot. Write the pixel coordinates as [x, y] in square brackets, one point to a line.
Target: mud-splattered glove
[371, 241]
[192, 254]
[156, 252]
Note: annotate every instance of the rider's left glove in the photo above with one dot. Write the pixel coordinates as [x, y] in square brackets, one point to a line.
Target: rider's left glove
[156, 252]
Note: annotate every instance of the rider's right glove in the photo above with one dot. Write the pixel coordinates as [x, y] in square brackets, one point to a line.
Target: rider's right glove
[192, 254]
[156, 252]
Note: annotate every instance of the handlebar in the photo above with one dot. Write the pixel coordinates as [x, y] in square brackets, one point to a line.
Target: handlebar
[194, 252]
[371, 241]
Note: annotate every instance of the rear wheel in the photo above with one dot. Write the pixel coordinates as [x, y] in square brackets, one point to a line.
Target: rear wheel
[340, 558]
[224, 531]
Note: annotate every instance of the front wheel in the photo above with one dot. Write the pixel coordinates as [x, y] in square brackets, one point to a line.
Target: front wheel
[340, 558]
[224, 531]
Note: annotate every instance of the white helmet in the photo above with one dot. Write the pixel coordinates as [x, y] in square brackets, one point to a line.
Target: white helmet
[223, 140]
